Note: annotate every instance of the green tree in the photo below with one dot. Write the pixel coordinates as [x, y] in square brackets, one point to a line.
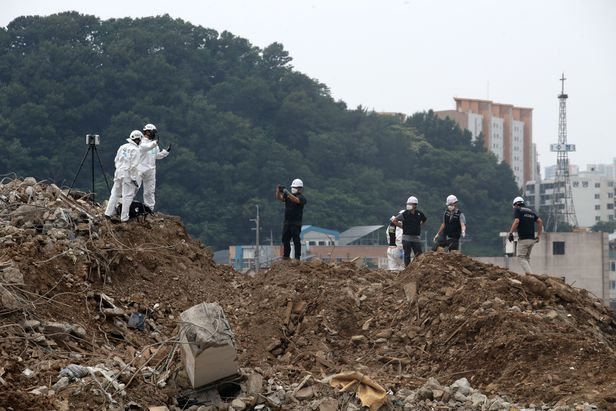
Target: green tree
[241, 119]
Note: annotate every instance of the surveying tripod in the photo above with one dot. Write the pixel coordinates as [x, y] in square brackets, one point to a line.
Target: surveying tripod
[92, 140]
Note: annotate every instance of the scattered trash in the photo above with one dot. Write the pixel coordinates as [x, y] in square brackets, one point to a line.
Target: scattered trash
[74, 371]
[370, 393]
[137, 321]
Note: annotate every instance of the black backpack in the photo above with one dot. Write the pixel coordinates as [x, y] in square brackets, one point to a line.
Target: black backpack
[137, 209]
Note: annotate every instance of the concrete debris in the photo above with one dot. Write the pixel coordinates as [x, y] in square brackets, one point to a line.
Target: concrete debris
[11, 275]
[208, 344]
[28, 373]
[70, 279]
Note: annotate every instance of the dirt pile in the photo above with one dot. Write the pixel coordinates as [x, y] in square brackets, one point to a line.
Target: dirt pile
[447, 316]
[70, 281]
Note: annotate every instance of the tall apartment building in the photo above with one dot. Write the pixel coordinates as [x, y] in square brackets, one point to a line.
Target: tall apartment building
[507, 132]
[593, 191]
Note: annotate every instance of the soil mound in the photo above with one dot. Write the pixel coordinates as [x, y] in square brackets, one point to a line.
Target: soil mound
[70, 281]
[448, 316]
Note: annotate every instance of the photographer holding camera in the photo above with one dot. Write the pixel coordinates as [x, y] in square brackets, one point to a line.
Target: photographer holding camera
[294, 202]
[150, 154]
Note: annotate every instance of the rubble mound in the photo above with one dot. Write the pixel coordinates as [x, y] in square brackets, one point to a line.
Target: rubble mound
[70, 281]
[533, 339]
[72, 284]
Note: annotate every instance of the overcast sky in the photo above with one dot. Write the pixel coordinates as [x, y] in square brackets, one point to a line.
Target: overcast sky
[407, 55]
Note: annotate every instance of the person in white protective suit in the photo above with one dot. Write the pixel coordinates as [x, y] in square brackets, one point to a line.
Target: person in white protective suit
[150, 153]
[395, 252]
[126, 179]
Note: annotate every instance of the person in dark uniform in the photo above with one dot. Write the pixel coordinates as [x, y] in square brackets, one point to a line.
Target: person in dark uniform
[453, 226]
[410, 220]
[294, 202]
[524, 220]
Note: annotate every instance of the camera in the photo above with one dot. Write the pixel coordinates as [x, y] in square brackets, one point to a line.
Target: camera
[93, 139]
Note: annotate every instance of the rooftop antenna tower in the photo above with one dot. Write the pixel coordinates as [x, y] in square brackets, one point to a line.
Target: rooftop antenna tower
[562, 210]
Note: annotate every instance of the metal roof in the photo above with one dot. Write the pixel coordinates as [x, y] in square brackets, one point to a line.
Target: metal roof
[326, 231]
[357, 232]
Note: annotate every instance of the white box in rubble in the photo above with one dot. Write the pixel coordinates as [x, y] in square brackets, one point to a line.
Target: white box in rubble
[208, 344]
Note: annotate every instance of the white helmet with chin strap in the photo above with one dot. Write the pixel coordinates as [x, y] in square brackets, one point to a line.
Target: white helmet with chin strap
[451, 199]
[412, 200]
[296, 185]
[518, 201]
[151, 128]
[135, 135]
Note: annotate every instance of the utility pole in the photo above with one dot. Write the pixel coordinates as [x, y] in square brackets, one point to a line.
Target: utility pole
[257, 228]
[562, 209]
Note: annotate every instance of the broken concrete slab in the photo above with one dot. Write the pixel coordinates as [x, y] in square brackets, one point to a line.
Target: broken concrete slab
[11, 275]
[208, 343]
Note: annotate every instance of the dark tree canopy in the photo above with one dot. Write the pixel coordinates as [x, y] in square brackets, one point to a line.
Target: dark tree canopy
[240, 119]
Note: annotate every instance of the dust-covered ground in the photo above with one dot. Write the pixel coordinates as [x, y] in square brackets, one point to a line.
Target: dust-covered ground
[70, 280]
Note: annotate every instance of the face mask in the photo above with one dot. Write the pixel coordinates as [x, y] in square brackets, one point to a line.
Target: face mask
[451, 207]
[294, 190]
[410, 207]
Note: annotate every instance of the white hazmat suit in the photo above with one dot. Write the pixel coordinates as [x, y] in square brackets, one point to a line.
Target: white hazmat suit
[126, 179]
[150, 153]
[395, 254]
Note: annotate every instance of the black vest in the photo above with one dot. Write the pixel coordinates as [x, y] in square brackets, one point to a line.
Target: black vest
[453, 228]
[411, 224]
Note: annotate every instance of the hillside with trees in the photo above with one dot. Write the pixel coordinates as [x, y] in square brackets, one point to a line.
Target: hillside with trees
[240, 120]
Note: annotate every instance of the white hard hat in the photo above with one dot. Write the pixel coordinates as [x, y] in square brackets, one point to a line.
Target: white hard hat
[297, 183]
[412, 200]
[136, 135]
[517, 200]
[149, 127]
[451, 199]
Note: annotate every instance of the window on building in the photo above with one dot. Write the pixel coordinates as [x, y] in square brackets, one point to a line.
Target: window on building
[610, 206]
[612, 284]
[597, 185]
[558, 248]
[585, 184]
[610, 217]
[610, 195]
[576, 184]
[322, 243]
[610, 184]
[597, 218]
[613, 268]
[598, 207]
[597, 196]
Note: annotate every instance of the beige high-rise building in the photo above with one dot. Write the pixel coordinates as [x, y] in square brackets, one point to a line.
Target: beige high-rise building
[507, 132]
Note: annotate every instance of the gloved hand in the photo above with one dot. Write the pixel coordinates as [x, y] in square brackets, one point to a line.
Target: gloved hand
[392, 218]
[435, 238]
[537, 239]
[510, 238]
[463, 234]
[168, 148]
[285, 192]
